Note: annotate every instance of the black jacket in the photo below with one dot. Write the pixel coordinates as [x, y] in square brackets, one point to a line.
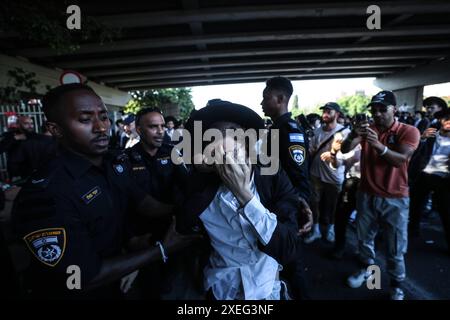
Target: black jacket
[294, 153]
[276, 194]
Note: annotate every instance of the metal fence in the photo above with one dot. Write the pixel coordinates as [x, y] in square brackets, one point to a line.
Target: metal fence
[32, 110]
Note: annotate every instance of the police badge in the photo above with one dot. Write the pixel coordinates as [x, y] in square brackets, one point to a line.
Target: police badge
[47, 245]
[297, 153]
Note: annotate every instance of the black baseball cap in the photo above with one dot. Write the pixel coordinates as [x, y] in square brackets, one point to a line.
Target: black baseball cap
[331, 106]
[435, 100]
[129, 119]
[386, 98]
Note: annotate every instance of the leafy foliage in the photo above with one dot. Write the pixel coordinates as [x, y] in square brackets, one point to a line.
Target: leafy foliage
[11, 94]
[44, 22]
[161, 97]
[354, 104]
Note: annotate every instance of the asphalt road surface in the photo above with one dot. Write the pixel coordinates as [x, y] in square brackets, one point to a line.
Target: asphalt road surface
[427, 268]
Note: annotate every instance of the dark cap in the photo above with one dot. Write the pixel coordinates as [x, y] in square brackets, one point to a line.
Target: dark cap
[129, 119]
[386, 98]
[331, 106]
[219, 110]
[170, 118]
[435, 100]
[444, 113]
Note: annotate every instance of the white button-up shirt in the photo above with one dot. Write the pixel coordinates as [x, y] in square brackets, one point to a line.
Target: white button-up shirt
[237, 268]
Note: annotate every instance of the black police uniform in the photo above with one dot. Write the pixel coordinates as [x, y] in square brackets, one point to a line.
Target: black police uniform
[159, 177]
[73, 213]
[293, 149]
[157, 174]
[25, 156]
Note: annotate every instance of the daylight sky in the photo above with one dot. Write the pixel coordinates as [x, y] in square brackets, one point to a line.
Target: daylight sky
[310, 93]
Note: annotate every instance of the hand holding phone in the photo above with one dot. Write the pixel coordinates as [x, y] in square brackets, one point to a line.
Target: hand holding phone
[360, 124]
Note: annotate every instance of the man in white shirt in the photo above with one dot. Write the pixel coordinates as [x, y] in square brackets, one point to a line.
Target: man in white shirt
[430, 172]
[250, 218]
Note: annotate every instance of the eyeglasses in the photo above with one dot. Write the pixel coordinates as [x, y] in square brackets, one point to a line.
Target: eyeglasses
[381, 110]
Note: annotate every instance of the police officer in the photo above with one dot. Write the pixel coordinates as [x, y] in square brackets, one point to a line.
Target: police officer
[293, 148]
[151, 158]
[71, 213]
[152, 167]
[26, 150]
[293, 144]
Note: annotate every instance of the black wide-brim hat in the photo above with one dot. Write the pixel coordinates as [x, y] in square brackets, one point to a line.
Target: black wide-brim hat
[435, 100]
[219, 110]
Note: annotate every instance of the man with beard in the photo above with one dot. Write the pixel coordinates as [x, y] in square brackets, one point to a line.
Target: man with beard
[383, 197]
[71, 213]
[153, 170]
[431, 173]
[26, 150]
[327, 172]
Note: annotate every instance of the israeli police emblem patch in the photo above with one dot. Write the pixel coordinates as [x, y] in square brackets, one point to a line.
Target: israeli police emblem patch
[47, 245]
[297, 153]
[118, 168]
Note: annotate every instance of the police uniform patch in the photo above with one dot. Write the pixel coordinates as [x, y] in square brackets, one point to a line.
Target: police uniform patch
[164, 161]
[118, 168]
[296, 137]
[91, 195]
[297, 153]
[47, 245]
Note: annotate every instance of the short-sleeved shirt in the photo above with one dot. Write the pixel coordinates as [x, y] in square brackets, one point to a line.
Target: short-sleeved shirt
[322, 169]
[379, 177]
[159, 177]
[73, 213]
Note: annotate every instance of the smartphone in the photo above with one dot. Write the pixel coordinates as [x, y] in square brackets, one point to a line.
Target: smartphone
[360, 118]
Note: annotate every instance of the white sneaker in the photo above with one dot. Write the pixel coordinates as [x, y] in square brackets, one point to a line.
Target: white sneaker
[397, 294]
[357, 279]
[330, 234]
[312, 236]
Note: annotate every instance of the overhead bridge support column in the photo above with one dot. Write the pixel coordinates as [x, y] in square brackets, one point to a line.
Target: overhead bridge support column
[409, 99]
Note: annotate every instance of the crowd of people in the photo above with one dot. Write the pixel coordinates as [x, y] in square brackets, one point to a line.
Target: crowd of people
[118, 203]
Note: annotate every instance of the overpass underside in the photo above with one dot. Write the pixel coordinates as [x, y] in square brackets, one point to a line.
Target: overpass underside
[186, 43]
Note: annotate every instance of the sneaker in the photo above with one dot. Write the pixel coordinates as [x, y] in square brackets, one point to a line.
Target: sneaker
[330, 234]
[397, 294]
[312, 236]
[357, 279]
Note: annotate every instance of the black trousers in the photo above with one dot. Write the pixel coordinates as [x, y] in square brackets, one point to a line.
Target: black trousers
[420, 191]
[346, 205]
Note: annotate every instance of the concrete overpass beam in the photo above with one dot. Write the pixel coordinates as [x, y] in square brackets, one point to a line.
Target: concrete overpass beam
[409, 99]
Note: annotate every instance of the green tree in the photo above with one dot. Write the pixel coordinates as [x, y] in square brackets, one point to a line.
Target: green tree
[160, 98]
[44, 23]
[354, 104]
[18, 80]
[295, 109]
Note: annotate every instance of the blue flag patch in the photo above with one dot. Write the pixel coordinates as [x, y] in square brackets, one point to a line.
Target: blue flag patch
[296, 137]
